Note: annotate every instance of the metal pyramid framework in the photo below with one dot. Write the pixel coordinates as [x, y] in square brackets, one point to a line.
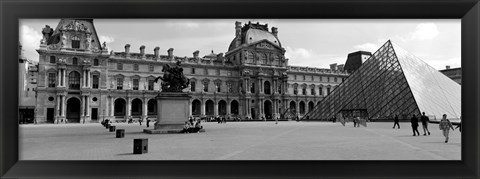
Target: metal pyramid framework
[392, 82]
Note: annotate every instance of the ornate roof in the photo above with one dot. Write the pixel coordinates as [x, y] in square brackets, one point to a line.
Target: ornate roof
[252, 33]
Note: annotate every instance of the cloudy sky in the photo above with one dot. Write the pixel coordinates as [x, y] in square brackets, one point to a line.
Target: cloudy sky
[308, 42]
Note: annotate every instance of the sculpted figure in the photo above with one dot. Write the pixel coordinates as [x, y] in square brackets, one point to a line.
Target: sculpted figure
[173, 79]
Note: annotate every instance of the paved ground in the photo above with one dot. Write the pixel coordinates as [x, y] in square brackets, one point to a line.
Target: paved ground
[240, 141]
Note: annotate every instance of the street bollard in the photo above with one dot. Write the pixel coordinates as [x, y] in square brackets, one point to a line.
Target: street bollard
[120, 133]
[140, 146]
[112, 128]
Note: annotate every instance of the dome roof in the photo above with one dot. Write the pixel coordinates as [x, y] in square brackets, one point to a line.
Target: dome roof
[211, 55]
[255, 35]
[252, 33]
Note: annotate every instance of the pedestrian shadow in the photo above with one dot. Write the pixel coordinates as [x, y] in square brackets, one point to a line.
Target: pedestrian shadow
[443, 142]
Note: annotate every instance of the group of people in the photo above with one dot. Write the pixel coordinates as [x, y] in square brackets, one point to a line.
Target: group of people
[192, 125]
[445, 125]
[130, 120]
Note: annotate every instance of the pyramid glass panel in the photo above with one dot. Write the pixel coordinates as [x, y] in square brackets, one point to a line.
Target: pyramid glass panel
[392, 82]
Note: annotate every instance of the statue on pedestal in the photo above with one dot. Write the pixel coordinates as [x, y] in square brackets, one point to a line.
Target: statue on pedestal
[173, 79]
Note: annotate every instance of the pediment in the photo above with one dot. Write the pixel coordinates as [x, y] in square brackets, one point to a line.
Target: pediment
[265, 44]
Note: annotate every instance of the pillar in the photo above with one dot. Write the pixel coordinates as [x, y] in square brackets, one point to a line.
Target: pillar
[64, 110]
[145, 109]
[190, 108]
[58, 105]
[129, 106]
[262, 112]
[297, 107]
[112, 104]
[215, 108]
[87, 100]
[228, 108]
[82, 108]
[64, 77]
[203, 108]
[59, 78]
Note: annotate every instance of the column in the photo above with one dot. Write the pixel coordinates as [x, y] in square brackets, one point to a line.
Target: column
[128, 107]
[247, 85]
[59, 79]
[228, 108]
[63, 77]
[260, 85]
[190, 108]
[112, 104]
[262, 112]
[203, 108]
[82, 108]
[64, 110]
[58, 105]
[88, 79]
[297, 107]
[145, 109]
[215, 108]
[274, 106]
[88, 105]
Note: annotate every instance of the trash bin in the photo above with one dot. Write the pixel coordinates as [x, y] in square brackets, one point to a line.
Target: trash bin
[120, 133]
[112, 128]
[140, 146]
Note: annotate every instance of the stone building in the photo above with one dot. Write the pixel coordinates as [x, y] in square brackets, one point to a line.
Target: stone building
[80, 81]
[453, 73]
[28, 73]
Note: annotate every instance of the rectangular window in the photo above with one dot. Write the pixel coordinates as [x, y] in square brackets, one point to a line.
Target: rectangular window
[205, 87]
[303, 77]
[218, 72]
[320, 91]
[52, 59]
[192, 86]
[150, 84]
[335, 79]
[95, 82]
[95, 62]
[51, 79]
[193, 70]
[295, 91]
[252, 88]
[150, 68]
[119, 83]
[328, 91]
[217, 86]
[76, 44]
[75, 60]
[229, 86]
[135, 84]
[312, 91]
[119, 66]
[304, 91]
[328, 79]
[135, 67]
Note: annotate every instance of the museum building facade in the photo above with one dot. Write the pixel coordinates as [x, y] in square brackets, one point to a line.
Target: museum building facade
[79, 80]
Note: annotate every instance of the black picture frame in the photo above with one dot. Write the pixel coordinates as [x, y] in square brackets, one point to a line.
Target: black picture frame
[466, 10]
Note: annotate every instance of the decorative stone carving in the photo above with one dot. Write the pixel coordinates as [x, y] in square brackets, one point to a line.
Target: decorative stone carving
[75, 26]
[265, 45]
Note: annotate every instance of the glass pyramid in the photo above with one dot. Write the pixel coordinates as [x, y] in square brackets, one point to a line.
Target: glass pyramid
[392, 82]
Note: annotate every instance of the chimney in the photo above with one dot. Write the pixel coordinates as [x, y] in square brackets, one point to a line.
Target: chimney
[238, 29]
[340, 67]
[333, 66]
[170, 52]
[155, 52]
[447, 67]
[274, 31]
[142, 50]
[127, 48]
[195, 54]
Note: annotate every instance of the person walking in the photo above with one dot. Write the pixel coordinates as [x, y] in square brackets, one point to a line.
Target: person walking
[395, 122]
[414, 122]
[425, 122]
[445, 126]
[148, 122]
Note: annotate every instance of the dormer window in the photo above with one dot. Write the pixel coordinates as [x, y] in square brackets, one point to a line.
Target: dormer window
[75, 42]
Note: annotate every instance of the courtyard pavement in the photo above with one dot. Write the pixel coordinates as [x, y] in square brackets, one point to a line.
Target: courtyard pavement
[287, 140]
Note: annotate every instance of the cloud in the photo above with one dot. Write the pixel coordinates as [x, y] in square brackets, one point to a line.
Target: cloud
[106, 39]
[30, 40]
[370, 47]
[425, 31]
[301, 53]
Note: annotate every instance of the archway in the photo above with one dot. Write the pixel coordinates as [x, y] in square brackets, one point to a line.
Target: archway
[234, 107]
[267, 109]
[152, 107]
[137, 107]
[222, 107]
[73, 110]
[293, 106]
[209, 108]
[310, 106]
[120, 107]
[302, 107]
[266, 87]
[196, 105]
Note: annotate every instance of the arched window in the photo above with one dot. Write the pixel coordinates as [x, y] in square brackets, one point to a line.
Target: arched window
[74, 80]
[192, 86]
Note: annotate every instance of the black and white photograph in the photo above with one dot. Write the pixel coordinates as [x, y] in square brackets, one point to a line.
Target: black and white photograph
[240, 89]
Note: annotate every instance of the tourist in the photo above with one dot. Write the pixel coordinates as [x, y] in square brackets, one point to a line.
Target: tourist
[198, 127]
[459, 126]
[276, 119]
[130, 120]
[425, 122]
[414, 122]
[445, 126]
[186, 127]
[395, 122]
[148, 122]
[140, 121]
[355, 121]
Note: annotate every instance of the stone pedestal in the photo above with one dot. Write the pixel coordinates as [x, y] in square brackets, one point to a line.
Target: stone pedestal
[172, 113]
